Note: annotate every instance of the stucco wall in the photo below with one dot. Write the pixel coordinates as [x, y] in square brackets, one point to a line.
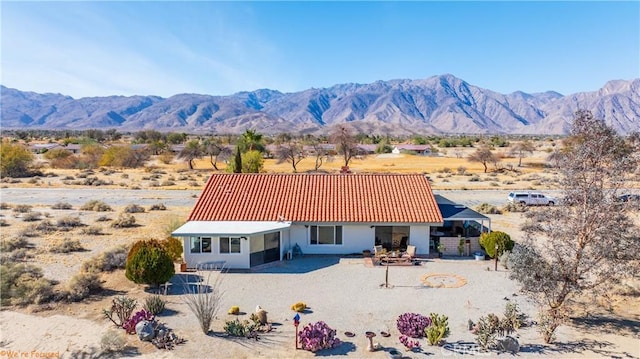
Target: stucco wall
[356, 238]
[232, 260]
[451, 245]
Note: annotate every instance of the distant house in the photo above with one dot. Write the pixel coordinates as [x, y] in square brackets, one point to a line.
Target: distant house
[73, 148]
[246, 220]
[423, 150]
[43, 147]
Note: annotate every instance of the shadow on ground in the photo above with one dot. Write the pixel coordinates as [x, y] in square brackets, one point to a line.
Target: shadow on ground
[582, 347]
[299, 264]
[609, 324]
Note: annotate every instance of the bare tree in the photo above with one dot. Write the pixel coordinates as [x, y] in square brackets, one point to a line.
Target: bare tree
[321, 155]
[191, 151]
[342, 136]
[289, 150]
[483, 155]
[216, 152]
[588, 244]
[522, 148]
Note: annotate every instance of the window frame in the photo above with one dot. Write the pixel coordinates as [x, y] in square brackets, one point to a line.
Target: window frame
[230, 245]
[315, 235]
[200, 249]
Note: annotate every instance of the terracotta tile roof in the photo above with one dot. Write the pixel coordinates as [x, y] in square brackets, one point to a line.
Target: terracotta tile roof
[370, 198]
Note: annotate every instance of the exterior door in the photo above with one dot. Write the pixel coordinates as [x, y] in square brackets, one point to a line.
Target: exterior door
[265, 249]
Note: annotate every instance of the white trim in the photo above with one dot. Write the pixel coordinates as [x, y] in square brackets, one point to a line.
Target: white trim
[227, 228]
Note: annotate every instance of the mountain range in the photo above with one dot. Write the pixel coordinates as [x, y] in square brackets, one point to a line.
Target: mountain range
[441, 104]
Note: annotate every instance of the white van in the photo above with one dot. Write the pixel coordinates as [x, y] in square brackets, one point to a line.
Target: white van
[531, 199]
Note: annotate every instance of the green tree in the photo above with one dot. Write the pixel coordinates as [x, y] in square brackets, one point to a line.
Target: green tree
[15, 160]
[252, 162]
[590, 243]
[489, 240]
[149, 263]
[251, 140]
[236, 165]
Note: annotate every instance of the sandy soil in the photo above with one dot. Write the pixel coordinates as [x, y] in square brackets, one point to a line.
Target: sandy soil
[355, 302]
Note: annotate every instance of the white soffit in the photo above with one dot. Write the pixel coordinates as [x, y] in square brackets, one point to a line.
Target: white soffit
[227, 228]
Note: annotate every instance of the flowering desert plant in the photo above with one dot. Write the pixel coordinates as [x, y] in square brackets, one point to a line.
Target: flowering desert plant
[318, 336]
[130, 325]
[408, 343]
[412, 324]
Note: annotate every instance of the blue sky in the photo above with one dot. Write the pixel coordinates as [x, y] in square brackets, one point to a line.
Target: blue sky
[164, 48]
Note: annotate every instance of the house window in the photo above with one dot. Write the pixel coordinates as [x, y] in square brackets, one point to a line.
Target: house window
[323, 235]
[200, 244]
[229, 245]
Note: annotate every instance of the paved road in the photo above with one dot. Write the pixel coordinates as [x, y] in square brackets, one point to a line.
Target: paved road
[114, 197]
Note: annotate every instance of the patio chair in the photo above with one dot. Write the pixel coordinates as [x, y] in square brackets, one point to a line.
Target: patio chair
[410, 253]
[378, 251]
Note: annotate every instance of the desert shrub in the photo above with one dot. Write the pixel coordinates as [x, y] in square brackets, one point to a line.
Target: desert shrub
[22, 284]
[130, 324]
[66, 246]
[5, 205]
[318, 336]
[62, 205]
[412, 324]
[474, 179]
[149, 263]
[487, 208]
[22, 208]
[488, 241]
[103, 219]
[204, 300]
[514, 207]
[112, 341]
[82, 285]
[461, 170]
[154, 304]
[18, 255]
[438, 330]
[112, 259]
[154, 184]
[173, 247]
[124, 221]
[4, 223]
[92, 231]
[32, 230]
[157, 207]
[9, 245]
[43, 227]
[121, 309]
[68, 222]
[167, 183]
[133, 208]
[504, 259]
[237, 328]
[32, 216]
[96, 206]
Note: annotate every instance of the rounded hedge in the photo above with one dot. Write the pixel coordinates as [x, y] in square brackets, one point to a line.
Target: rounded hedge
[488, 242]
[149, 263]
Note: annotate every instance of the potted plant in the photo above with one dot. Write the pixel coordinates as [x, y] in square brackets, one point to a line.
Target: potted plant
[441, 249]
